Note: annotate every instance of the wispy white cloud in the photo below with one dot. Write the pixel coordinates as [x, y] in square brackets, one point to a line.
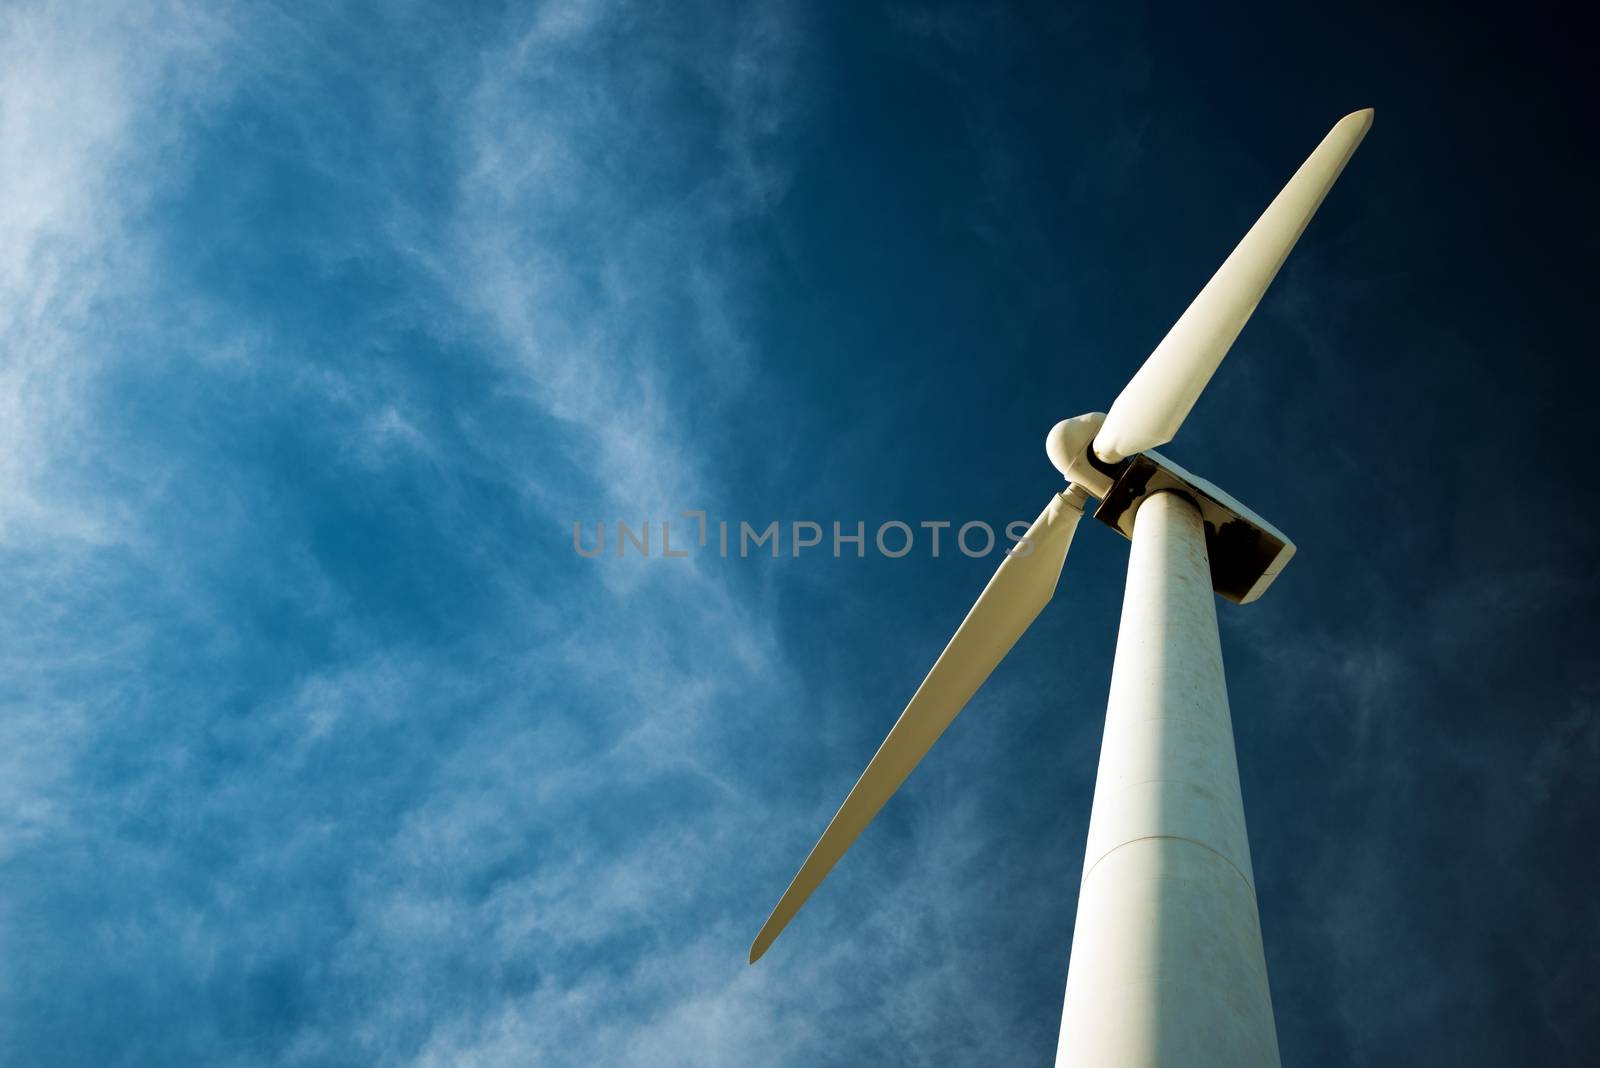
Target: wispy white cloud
[329, 839]
[87, 140]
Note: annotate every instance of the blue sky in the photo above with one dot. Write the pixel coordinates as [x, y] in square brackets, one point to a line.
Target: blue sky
[320, 327]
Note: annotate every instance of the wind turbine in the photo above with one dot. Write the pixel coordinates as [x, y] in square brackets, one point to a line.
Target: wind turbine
[1166, 965]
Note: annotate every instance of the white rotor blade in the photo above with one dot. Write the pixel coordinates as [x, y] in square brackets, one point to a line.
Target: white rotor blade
[1153, 405]
[1016, 594]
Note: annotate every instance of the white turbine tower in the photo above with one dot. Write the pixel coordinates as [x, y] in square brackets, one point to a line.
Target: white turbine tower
[1167, 966]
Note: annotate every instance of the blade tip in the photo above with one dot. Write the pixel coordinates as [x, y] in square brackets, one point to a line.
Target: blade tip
[1362, 118]
[764, 938]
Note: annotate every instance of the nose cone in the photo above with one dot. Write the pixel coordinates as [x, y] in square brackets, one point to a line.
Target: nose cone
[1067, 440]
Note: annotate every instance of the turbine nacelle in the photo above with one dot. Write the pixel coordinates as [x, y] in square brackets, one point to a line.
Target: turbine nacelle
[1246, 552]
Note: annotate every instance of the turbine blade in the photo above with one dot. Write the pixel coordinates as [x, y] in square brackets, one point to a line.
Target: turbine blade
[1153, 405]
[1016, 594]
